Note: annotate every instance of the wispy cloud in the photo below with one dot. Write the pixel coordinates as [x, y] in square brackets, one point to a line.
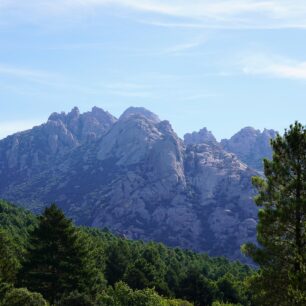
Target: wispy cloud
[273, 66]
[180, 48]
[60, 82]
[23, 72]
[192, 13]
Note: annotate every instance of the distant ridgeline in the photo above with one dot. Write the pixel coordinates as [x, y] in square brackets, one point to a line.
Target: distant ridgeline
[135, 176]
[47, 259]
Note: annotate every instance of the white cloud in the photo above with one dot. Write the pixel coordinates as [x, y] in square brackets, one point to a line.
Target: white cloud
[11, 127]
[179, 48]
[192, 13]
[273, 66]
[196, 13]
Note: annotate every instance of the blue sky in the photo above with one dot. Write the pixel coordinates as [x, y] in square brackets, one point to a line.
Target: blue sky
[219, 64]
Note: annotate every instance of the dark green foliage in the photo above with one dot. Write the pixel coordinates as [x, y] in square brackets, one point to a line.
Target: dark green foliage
[121, 294]
[66, 265]
[59, 258]
[4, 289]
[9, 263]
[281, 233]
[230, 290]
[147, 271]
[23, 297]
[118, 258]
[17, 222]
[75, 298]
[167, 270]
[197, 288]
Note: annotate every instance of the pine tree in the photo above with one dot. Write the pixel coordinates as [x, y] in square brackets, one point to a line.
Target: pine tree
[281, 253]
[9, 264]
[59, 258]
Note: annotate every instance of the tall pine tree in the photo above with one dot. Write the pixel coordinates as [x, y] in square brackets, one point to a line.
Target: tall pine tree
[59, 259]
[281, 253]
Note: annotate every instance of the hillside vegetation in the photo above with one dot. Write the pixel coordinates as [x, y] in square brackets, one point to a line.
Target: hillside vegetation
[47, 258]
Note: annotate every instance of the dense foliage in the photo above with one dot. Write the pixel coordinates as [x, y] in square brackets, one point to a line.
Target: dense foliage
[281, 232]
[47, 259]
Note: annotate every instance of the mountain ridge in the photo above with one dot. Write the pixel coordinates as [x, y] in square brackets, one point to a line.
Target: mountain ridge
[249, 144]
[138, 178]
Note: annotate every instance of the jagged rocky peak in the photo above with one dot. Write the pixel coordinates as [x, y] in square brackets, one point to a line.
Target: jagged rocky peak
[202, 136]
[269, 133]
[244, 140]
[95, 123]
[62, 116]
[137, 136]
[89, 125]
[139, 111]
[60, 134]
[251, 146]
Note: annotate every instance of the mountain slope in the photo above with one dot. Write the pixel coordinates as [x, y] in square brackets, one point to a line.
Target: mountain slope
[139, 179]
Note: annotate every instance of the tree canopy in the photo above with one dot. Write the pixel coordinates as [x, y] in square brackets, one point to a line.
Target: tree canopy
[281, 252]
[65, 264]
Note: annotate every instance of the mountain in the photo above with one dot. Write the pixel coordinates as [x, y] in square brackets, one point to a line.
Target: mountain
[249, 145]
[135, 176]
[27, 153]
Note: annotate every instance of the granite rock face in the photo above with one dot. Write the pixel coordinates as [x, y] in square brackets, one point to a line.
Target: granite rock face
[135, 176]
[251, 146]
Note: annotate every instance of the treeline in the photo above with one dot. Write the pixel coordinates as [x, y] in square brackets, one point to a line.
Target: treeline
[46, 260]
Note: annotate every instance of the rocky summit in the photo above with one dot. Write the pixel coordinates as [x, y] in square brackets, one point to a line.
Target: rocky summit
[249, 145]
[135, 176]
[203, 136]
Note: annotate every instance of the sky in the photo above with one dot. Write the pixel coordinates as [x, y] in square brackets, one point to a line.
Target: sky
[222, 64]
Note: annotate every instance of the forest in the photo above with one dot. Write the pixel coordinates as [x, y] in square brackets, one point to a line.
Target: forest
[48, 259]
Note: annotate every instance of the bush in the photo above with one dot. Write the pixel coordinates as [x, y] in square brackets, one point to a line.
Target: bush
[23, 297]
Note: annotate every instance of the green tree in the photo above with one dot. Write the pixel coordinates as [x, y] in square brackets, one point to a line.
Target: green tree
[281, 252]
[75, 298]
[9, 264]
[118, 257]
[122, 295]
[197, 288]
[23, 297]
[147, 271]
[60, 259]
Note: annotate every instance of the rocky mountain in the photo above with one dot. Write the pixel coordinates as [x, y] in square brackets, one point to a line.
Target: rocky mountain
[26, 153]
[135, 176]
[249, 145]
[203, 136]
